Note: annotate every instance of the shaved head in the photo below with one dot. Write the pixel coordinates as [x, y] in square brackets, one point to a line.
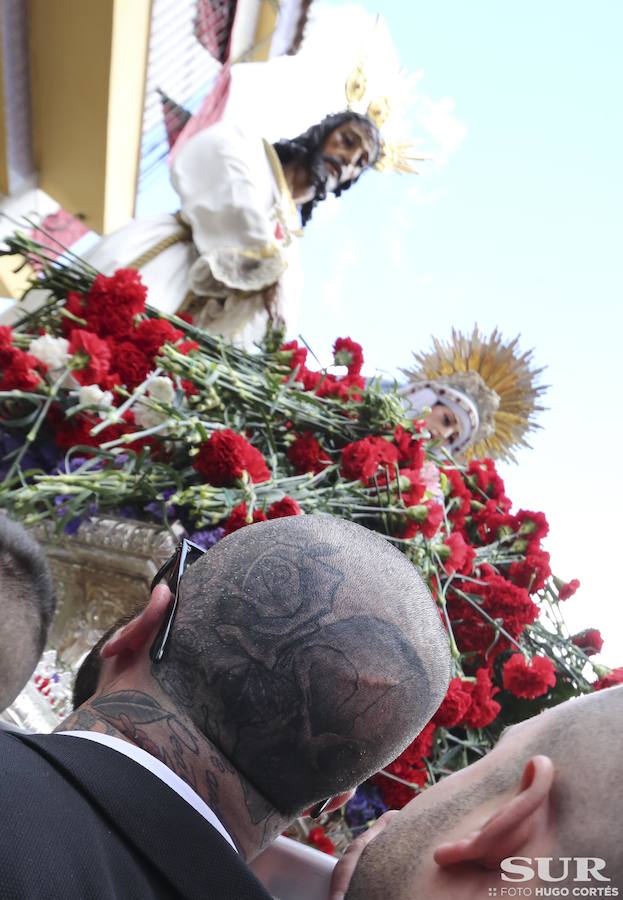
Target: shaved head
[309, 650]
[27, 605]
[582, 738]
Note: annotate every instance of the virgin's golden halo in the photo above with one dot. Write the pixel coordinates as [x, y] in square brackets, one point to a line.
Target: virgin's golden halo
[502, 370]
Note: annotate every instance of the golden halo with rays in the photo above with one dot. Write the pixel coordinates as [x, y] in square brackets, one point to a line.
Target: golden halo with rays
[502, 370]
[379, 91]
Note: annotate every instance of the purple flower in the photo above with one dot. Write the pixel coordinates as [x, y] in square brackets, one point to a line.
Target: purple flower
[42, 455]
[160, 509]
[208, 537]
[73, 523]
[126, 512]
[365, 806]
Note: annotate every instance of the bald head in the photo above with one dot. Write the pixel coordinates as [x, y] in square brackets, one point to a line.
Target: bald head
[26, 607]
[581, 810]
[309, 650]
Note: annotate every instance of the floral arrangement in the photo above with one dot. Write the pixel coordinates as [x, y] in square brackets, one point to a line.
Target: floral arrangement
[108, 407]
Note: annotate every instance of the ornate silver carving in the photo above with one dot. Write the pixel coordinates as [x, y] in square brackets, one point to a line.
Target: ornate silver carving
[101, 573]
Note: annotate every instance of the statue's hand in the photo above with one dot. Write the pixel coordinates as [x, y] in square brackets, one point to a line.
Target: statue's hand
[270, 296]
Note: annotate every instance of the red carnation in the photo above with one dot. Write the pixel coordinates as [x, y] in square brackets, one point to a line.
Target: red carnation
[458, 498]
[282, 508]
[500, 599]
[190, 389]
[225, 456]
[425, 518]
[614, 677]
[461, 555]
[410, 448]
[484, 709]
[77, 430]
[483, 475]
[530, 523]
[151, 334]
[112, 303]
[239, 518]
[90, 356]
[589, 640]
[131, 364]
[410, 767]
[569, 589]
[75, 304]
[294, 355]
[6, 336]
[347, 388]
[361, 459]
[412, 489]
[528, 679]
[306, 454]
[19, 371]
[187, 346]
[454, 705]
[318, 838]
[396, 795]
[349, 353]
[532, 572]
[309, 379]
[509, 602]
[492, 523]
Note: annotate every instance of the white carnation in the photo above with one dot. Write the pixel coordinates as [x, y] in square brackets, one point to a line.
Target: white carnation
[161, 389]
[145, 417]
[53, 351]
[93, 395]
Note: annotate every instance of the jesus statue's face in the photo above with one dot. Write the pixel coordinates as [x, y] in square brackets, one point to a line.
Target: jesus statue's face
[347, 151]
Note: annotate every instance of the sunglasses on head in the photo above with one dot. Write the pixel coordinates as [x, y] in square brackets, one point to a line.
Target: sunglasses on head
[171, 573]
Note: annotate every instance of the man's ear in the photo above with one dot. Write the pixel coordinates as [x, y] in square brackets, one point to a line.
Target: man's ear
[511, 825]
[142, 629]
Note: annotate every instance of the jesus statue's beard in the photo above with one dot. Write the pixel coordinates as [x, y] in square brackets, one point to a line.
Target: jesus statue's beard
[323, 175]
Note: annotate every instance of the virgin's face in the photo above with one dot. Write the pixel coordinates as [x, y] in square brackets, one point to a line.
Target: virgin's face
[347, 151]
[442, 423]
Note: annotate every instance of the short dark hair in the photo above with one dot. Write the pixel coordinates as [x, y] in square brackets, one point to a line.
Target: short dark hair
[309, 651]
[28, 602]
[305, 150]
[88, 674]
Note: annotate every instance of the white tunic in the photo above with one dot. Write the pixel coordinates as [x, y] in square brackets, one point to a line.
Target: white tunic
[244, 225]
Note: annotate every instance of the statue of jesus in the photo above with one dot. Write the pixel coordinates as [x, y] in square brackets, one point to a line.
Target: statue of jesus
[225, 256]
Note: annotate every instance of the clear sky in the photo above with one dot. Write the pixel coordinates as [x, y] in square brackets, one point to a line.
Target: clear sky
[520, 227]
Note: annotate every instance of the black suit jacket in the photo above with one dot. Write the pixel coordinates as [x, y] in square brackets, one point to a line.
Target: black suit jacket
[80, 821]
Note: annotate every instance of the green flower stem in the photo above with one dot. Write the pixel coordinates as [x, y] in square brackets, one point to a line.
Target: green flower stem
[34, 431]
[117, 413]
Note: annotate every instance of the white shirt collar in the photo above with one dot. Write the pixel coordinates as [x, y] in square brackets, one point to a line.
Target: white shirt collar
[161, 771]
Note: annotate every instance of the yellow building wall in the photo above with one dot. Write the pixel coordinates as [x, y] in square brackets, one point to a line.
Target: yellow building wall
[266, 22]
[88, 60]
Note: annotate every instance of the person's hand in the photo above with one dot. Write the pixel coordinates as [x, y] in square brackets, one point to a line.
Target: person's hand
[343, 872]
